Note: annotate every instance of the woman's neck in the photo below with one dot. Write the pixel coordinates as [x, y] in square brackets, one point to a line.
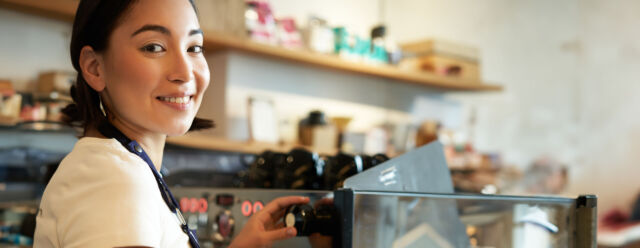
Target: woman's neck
[152, 143]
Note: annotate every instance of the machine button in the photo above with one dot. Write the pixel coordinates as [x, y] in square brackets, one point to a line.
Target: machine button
[246, 208]
[257, 206]
[203, 205]
[184, 204]
[193, 205]
[224, 200]
[223, 226]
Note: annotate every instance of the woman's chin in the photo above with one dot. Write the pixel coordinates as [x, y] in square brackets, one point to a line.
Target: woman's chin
[178, 130]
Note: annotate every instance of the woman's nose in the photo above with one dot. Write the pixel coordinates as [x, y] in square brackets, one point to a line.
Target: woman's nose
[180, 69]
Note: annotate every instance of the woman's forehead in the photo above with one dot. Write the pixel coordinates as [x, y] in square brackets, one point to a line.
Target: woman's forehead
[178, 16]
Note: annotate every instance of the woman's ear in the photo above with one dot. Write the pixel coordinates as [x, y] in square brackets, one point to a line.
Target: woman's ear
[91, 66]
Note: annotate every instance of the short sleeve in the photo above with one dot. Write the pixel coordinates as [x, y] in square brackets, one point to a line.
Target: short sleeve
[114, 204]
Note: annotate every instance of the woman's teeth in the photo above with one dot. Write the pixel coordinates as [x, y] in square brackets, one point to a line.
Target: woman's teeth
[183, 99]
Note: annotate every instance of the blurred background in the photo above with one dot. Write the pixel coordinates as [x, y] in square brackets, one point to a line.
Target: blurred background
[528, 97]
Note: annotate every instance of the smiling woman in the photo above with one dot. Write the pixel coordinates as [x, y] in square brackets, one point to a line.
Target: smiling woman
[141, 78]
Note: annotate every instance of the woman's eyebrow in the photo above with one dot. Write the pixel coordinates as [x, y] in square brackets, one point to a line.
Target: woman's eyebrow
[195, 31]
[151, 27]
[163, 30]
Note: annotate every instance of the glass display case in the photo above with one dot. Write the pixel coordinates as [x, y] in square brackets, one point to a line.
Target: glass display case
[402, 219]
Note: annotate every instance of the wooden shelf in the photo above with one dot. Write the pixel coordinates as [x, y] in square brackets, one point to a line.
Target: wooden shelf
[57, 9]
[215, 41]
[220, 144]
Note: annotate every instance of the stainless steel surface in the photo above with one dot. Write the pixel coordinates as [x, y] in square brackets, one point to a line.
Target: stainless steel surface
[421, 170]
[401, 219]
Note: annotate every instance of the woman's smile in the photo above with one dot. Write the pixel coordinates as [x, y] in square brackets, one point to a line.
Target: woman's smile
[177, 102]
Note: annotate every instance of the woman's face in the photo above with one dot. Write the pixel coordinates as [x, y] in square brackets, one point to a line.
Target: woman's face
[154, 70]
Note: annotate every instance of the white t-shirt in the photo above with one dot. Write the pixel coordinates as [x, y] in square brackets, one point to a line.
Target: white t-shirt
[102, 195]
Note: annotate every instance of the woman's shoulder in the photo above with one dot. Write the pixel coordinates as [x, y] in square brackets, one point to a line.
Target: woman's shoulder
[102, 186]
[98, 149]
[101, 165]
[100, 172]
[102, 157]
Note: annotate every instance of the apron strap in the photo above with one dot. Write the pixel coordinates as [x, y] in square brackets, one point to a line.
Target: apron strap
[109, 131]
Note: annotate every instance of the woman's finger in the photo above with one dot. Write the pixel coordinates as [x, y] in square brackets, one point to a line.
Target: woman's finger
[280, 234]
[275, 218]
[279, 225]
[282, 203]
[274, 226]
[278, 215]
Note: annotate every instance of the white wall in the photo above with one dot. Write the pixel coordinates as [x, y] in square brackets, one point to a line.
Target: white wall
[297, 89]
[570, 71]
[30, 45]
[523, 47]
[609, 61]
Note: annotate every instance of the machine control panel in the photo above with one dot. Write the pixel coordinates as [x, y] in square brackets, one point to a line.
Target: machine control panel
[218, 214]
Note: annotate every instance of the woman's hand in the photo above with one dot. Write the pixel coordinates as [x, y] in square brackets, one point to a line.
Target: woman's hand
[265, 226]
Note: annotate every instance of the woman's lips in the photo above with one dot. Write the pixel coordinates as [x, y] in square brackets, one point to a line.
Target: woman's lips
[176, 102]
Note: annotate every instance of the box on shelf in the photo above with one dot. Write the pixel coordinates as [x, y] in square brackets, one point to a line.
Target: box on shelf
[319, 36]
[354, 48]
[443, 58]
[6, 88]
[56, 81]
[316, 132]
[10, 110]
[225, 16]
[288, 34]
[260, 22]
[427, 47]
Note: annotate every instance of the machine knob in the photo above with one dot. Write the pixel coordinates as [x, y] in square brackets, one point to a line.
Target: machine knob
[223, 226]
[307, 220]
[300, 217]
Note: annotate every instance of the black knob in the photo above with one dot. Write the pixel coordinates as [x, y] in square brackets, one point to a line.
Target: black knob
[300, 217]
[306, 220]
[223, 227]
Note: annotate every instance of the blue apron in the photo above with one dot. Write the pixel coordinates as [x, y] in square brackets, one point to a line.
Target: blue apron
[109, 131]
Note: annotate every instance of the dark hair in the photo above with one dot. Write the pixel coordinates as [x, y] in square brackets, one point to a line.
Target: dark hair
[94, 22]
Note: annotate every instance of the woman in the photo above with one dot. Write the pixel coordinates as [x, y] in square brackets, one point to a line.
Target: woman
[141, 77]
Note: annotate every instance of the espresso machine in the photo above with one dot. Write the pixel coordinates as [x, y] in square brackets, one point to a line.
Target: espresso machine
[407, 202]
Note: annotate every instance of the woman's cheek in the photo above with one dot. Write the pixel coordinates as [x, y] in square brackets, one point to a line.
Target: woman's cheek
[203, 69]
[202, 80]
[141, 72]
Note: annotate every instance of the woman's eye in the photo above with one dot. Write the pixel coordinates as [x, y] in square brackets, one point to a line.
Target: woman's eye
[195, 49]
[153, 48]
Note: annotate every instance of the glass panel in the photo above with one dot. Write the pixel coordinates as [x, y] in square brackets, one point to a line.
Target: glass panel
[434, 220]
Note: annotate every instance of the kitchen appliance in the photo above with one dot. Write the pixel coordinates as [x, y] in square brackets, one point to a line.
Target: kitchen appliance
[407, 201]
[404, 219]
[362, 218]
